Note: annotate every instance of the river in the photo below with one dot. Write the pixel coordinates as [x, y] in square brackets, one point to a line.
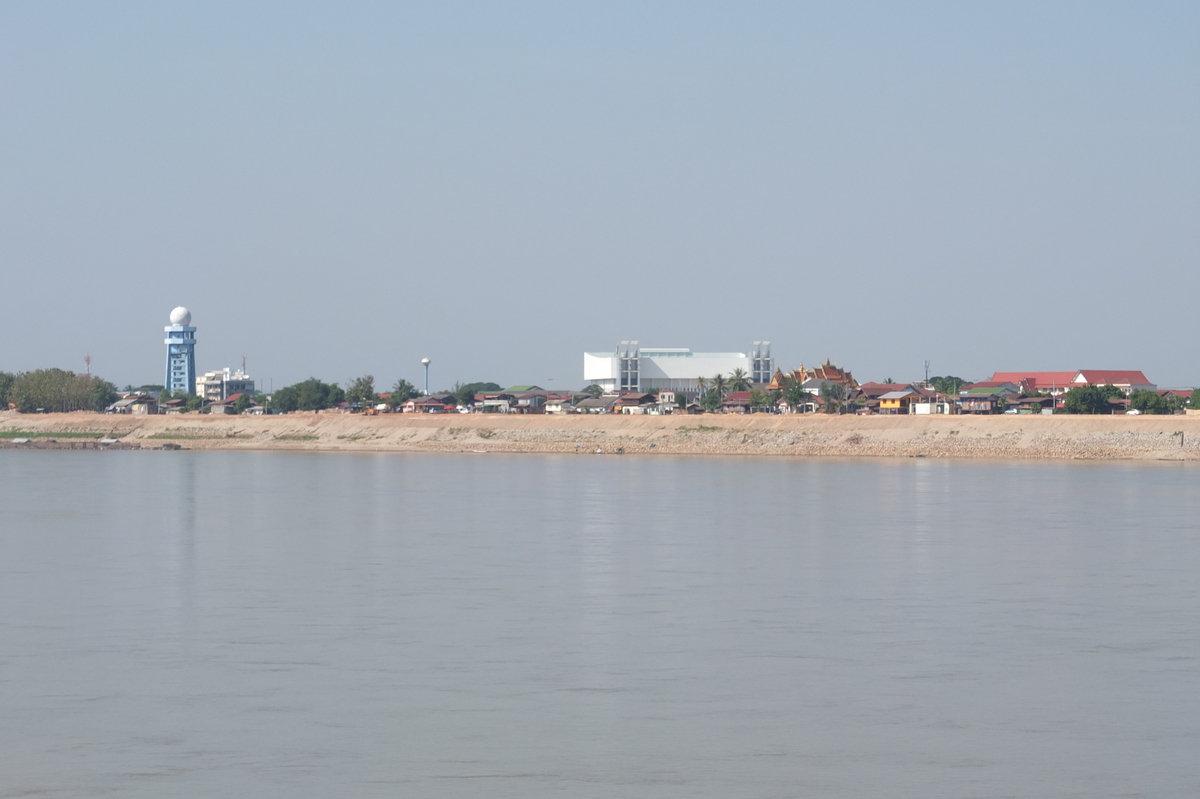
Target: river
[298, 624]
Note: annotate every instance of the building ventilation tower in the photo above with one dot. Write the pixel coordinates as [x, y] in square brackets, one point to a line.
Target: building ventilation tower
[629, 359]
[181, 353]
[762, 365]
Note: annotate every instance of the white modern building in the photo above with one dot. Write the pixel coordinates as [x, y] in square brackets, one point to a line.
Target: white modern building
[634, 368]
[223, 384]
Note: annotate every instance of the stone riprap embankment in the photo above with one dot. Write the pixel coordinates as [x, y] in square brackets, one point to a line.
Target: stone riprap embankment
[1011, 437]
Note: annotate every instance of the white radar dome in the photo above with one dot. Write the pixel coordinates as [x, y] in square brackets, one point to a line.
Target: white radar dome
[181, 316]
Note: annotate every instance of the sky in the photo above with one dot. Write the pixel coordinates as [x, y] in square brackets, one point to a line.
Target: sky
[338, 189]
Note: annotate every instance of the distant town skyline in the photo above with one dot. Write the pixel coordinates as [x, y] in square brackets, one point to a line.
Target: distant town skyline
[336, 191]
[705, 365]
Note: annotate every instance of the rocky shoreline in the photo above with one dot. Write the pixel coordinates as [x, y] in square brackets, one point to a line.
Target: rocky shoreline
[995, 437]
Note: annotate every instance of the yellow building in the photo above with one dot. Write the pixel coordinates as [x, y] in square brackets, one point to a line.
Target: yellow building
[898, 401]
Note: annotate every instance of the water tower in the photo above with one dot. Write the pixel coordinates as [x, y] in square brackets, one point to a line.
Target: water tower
[181, 352]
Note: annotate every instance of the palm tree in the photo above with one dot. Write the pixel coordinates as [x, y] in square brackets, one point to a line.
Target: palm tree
[701, 386]
[719, 385]
[738, 380]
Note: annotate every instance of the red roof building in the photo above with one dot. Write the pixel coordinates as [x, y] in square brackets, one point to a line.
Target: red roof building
[1126, 380]
[872, 390]
[1057, 383]
[1042, 382]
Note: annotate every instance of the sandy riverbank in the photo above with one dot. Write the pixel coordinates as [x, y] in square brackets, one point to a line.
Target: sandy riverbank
[1015, 437]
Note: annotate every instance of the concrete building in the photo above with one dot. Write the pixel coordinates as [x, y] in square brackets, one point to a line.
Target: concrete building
[634, 368]
[221, 385]
[181, 352]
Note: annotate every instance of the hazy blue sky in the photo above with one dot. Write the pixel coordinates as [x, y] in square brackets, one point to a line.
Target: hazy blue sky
[343, 188]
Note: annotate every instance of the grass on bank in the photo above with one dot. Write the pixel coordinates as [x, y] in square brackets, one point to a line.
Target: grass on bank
[169, 436]
[41, 434]
[296, 437]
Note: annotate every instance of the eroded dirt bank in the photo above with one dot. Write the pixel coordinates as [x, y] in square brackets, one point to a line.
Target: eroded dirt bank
[1015, 437]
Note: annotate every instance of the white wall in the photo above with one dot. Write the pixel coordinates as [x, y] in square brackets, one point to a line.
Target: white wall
[700, 364]
[599, 367]
[679, 372]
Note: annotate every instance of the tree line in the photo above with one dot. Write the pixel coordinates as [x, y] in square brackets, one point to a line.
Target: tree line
[1095, 399]
[60, 391]
[314, 395]
[55, 391]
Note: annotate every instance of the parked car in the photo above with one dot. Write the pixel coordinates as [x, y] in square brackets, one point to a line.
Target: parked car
[1133, 412]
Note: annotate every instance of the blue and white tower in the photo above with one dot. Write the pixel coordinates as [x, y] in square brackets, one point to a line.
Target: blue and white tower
[181, 352]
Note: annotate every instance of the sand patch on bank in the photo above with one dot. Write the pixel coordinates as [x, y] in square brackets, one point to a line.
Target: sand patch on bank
[1017, 437]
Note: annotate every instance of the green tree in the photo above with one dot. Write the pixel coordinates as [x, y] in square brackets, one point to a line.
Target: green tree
[241, 404]
[759, 399]
[311, 395]
[593, 390]
[1090, 399]
[1194, 402]
[1080, 399]
[1148, 401]
[795, 395]
[361, 391]
[194, 402]
[720, 385]
[701, 386]
[1175, 403]
[402, 392]
[828, 396]
[465, 394]
[60, 391]
[6, 382]
[104, 394]
[947, 385]
[739, 380]
[711, 400]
